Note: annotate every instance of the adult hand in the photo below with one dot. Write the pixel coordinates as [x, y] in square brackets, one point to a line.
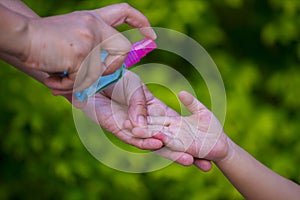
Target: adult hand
[119, 105]
[67, 43]
[116, 116]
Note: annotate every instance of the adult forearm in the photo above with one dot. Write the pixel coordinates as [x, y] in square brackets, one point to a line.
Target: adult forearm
[16, 8]
[38, 75]
[254, 180]
[19, 7]
[13, 33]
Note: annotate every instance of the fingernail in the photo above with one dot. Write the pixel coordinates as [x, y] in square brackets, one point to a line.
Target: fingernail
[150, 33]
[142, 121]
[153, 34]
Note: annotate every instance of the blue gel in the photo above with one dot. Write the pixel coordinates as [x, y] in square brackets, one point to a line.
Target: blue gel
[101, 83]
[65, 73]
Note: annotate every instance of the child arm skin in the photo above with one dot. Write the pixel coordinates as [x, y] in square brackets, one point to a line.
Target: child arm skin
[202, 136]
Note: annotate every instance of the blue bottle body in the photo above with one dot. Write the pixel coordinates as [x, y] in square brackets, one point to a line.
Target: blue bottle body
[102, 82]
[138, 51]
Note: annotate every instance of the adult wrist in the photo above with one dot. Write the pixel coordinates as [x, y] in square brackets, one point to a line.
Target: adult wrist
[22, 41]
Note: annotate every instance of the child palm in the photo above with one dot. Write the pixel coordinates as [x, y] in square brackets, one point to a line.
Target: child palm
[200, 134]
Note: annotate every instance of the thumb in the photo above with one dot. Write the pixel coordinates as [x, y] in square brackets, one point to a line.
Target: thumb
[117, 14]
[190, 102]
[137, 108]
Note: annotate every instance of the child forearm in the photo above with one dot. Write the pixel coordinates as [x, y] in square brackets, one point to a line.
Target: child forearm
[254, 180]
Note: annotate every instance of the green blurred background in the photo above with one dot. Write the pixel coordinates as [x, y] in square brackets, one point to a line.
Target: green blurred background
[255, 45]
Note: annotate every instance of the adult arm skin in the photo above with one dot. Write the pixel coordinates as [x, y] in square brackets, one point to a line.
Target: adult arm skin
[202, 136]
[16, 17]
[18, 8]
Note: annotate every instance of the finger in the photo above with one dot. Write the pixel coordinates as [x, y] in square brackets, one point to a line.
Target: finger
[152, 129]
[93, 68]
[127, 125]
[118, 14]
[204, 165]
[90, 70]
[146, 144]
[160, 108]
[117, 47]
[63, 84]
[137, 108]
[129, 91]
[139, 132]
[113, 63]
[170, 140]
[190, 102]
[155, 131]
[159, 120]
[179, 157]
[114, 42]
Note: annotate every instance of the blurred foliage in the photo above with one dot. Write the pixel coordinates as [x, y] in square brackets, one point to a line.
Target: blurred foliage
[255, 45]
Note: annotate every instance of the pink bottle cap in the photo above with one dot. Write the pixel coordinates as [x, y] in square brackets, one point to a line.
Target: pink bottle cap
[139, 50]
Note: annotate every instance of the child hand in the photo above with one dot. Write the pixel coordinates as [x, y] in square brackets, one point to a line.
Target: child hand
[200, 134]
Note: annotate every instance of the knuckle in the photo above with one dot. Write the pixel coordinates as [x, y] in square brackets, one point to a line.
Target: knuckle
[137, 102]
[79, 52]
[88, 28]
[123, 44]
[88, 17]
[87, 33]
[127, 46]
[142, 144]
[91, 78]
[125, 6]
